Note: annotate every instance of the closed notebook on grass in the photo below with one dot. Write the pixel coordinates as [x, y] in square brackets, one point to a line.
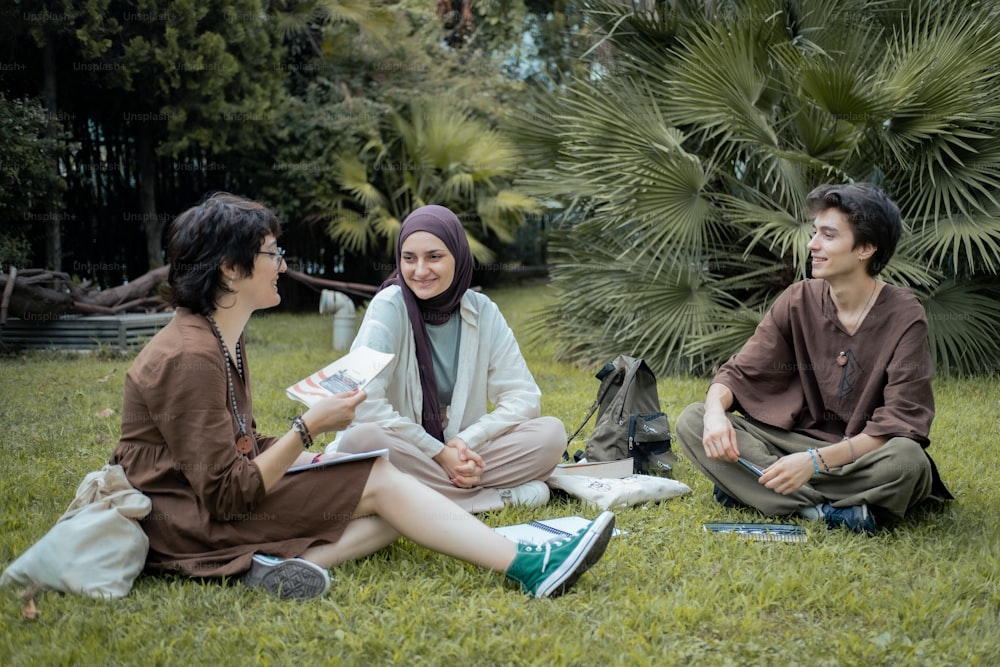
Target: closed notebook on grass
[608, 469]
[761, 532]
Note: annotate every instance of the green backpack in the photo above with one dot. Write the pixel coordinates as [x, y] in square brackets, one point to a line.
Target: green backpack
[629, 420]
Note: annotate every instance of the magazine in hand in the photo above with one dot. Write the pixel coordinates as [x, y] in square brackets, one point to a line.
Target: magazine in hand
[336, 459]
[543, 530]
[352, 371]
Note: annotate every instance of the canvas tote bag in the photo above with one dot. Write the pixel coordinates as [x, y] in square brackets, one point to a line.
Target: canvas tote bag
[96, 548]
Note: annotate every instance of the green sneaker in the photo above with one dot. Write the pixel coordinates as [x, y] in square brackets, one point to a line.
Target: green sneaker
[550, 569]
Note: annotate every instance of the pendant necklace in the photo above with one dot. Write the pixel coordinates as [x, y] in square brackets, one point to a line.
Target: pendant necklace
[244, 443]
[842, 355]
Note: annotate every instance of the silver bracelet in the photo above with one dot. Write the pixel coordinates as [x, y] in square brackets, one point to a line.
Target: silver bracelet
[851, 448]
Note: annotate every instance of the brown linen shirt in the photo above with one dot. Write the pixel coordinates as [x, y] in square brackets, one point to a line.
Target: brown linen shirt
[178, 446]
[787, 374]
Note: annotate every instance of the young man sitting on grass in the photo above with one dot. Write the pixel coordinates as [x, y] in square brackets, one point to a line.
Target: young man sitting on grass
[831, 397]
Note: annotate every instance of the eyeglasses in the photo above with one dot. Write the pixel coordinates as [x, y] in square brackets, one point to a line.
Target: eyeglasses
[278, 255]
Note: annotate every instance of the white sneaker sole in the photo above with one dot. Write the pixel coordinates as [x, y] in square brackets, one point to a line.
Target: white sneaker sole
[291, 579]
[587, 552]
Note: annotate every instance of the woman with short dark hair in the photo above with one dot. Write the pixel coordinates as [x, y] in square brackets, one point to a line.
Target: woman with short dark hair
[222, 504]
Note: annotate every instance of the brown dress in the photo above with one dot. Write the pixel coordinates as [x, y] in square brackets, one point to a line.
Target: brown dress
[178, 446]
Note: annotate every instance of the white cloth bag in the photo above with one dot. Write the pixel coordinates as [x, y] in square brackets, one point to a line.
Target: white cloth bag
[607, 492]
[96, 548]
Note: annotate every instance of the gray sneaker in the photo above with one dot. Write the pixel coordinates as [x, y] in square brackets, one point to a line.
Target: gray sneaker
[288, 578]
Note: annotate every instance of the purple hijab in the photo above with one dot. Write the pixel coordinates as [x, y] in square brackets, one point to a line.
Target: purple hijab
[445, 225]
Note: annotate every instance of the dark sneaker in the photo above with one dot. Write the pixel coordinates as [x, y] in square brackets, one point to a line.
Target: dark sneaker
[724, 499]
[288, 578]
[550, 569]
[857, 518]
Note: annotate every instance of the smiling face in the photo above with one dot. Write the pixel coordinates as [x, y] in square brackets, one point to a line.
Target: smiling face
[832, 250]
[426, 264]
[261, 288]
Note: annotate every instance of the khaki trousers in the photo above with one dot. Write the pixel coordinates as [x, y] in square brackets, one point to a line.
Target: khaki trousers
[890, 480]
[529, 451]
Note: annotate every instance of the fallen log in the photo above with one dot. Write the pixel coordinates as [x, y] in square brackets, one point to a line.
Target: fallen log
[357, 289]
[42, 294]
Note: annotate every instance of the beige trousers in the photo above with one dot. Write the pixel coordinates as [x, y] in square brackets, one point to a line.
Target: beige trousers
[526, 452]
[890, 480]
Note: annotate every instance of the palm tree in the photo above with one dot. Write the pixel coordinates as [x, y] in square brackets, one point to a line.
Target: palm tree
[429, 152]
[684, 169]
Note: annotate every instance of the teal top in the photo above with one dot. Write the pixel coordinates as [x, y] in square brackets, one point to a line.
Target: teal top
[444, 340]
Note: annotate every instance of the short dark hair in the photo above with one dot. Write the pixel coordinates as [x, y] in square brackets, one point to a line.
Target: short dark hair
[224, 228]
[873, 216]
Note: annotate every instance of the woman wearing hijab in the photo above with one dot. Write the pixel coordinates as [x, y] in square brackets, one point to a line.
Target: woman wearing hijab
[455, 356]
[222, 503]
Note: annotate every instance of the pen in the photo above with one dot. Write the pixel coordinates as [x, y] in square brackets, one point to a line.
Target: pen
[749, 466]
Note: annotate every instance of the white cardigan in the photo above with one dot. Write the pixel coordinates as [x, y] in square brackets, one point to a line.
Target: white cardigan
[491, 370]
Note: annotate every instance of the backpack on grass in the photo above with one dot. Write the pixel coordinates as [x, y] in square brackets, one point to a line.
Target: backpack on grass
[629, 423]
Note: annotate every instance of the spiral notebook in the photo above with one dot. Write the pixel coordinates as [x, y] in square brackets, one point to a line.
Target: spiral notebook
[543, 530]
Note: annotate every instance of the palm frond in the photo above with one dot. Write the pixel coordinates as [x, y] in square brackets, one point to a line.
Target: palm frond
[481, 252]
[967, 245]
[718, 84]
[367, 16]
[732, 328]
[716, 124]
[352, 176]
[351, 229]
[963, 322]
[780, 232]
[503, 213]
[910, 268]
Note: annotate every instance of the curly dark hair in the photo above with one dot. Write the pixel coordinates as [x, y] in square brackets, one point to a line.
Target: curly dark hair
[872, 215]
[224, 228]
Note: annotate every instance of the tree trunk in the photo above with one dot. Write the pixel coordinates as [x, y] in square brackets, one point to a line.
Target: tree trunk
[53, 219]
[153, 225]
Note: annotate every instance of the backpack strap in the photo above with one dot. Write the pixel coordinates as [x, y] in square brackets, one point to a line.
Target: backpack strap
[602, 391]
[590, 413]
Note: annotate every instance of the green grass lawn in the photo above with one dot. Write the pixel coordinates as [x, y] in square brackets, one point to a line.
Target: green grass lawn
[666, 592]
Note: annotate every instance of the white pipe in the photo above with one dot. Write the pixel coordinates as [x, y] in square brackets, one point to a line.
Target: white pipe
[344, 316]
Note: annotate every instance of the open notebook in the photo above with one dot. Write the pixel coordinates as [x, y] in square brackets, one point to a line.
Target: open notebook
[543, 530]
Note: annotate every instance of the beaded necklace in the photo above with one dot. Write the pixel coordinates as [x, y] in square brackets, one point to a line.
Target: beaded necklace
[244, 443]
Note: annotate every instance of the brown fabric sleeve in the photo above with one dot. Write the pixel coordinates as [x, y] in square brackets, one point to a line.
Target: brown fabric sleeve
[762, 375]
[908, 408]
